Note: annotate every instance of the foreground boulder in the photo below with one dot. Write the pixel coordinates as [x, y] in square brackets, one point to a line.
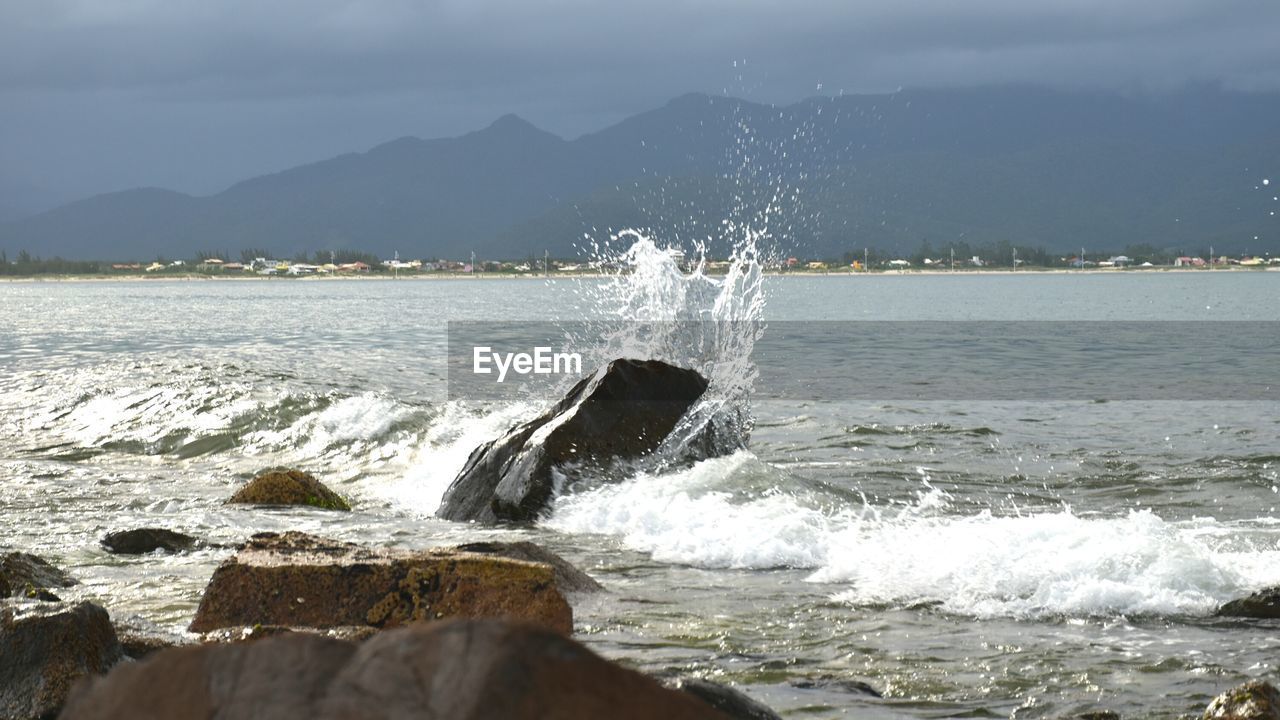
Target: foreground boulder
[25, 575]
[1264, 604]
[281, 486]
[1255, 700]
[45, 649]
[622, 412]
[462, 670]
[146, 540]
[295, 579]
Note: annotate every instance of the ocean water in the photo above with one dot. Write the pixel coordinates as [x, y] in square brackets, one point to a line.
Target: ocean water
[968, 554]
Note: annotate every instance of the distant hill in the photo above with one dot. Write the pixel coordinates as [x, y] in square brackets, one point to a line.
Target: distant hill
[1024, 166]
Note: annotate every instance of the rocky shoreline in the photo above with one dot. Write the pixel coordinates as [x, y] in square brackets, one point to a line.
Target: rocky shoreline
[296, 625]
[473, 631]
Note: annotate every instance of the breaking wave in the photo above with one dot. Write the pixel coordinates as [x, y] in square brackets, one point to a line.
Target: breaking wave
[738, 512]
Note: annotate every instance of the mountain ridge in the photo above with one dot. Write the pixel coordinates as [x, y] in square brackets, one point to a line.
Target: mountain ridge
[1025, 165]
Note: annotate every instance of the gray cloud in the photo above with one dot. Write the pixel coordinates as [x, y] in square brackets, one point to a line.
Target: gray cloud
[192, 94]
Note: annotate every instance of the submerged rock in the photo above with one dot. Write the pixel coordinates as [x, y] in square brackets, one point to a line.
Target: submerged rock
[140, 638]
[25, 575]
[828, 682]
[461, 670]
[1254, 700]
[624, 411]
[569, 579]
[732, 703]
[281, 486]
[295, 579]
[45, 649]
[145, 540]
[1264, 604]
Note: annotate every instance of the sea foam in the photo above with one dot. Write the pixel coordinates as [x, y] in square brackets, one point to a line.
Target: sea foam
[983, 565]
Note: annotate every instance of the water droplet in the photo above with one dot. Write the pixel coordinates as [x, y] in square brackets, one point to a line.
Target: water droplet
[1266, 181]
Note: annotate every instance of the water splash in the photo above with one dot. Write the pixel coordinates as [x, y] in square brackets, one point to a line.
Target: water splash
[654, 308]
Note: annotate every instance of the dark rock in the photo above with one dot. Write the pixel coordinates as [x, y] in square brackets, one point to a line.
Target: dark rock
[145, 540]
[281, 486]
[25, 575]
[829, 682]
[1099, 715]
[732, 703]
[622, 412]
[45, 649]
[296, 579]
[569, 579]
[1264, 604]
[1254, 700]
[459, 670]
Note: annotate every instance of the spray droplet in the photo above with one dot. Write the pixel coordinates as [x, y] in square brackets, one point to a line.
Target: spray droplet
[1266, 181]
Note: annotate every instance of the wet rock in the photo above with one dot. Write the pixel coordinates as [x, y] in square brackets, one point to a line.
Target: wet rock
[146, 540]
[295, 579]
[282, 486]
[829, 682]
[732, 703]
[1099, 715]
[1255, 700]
[461, 670]
[624, 411]
[1264, 604]
[569, 579]
[45, 649]
[25, 575]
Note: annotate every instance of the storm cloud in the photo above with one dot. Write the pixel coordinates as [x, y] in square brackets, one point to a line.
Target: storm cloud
[98, 95]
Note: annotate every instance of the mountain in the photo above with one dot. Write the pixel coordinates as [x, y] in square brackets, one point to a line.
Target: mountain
[1026, 166]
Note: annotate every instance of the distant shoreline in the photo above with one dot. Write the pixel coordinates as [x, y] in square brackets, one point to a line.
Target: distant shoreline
[199, 277]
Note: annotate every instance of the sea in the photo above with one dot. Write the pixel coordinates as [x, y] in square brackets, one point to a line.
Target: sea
[1017, 495]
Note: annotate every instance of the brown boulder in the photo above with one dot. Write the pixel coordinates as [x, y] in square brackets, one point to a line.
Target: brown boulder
[459, 670]
[25, 575]
[295, 579]
[45, 649]
[280, 486]
[1254, 700]
[279, 677]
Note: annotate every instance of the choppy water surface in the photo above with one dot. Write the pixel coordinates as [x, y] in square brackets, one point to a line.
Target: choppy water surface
[968, 558]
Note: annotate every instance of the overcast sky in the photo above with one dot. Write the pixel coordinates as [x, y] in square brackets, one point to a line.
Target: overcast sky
[99, 95]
